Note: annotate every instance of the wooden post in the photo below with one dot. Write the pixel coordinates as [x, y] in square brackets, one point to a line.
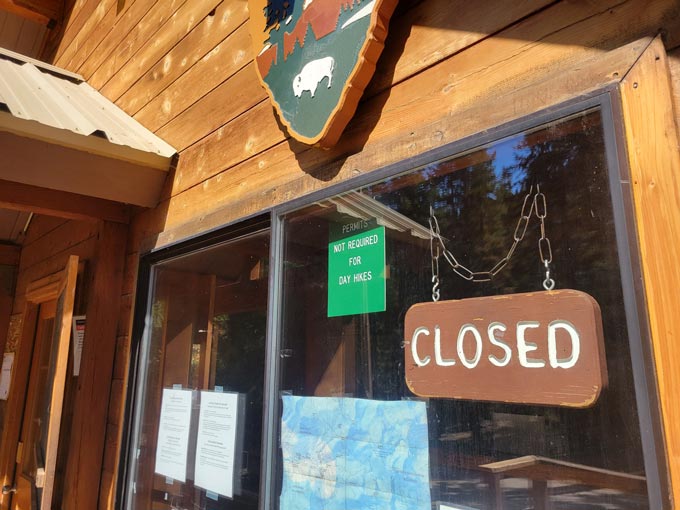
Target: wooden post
[652, 145]
[88, 434]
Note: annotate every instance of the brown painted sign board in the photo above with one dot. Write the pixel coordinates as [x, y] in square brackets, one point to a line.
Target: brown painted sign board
[535, 348]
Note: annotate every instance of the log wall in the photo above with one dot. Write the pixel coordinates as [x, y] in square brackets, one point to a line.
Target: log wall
[451, 69]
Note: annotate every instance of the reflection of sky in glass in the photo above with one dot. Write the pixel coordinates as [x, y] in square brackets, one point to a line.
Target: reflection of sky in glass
[443, 184]
[508, 153]
[503, 157]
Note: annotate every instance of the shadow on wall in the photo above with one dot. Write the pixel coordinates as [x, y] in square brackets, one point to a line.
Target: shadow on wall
[56, 34]
[423, 34]
[417, 41]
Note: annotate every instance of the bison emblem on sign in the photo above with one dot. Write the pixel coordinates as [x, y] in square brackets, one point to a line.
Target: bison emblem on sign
[311, 57]
[312, 74]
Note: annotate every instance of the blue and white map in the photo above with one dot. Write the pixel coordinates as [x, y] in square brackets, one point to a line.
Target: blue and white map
[354, 454]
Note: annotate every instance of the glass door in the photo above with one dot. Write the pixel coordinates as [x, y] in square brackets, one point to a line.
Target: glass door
[39, 441]
[198, 437]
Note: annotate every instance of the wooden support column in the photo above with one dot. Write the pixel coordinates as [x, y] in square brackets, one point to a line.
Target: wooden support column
[88, 434]
[654, 159]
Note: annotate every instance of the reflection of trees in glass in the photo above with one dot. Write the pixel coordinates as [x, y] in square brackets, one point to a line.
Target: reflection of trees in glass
[239, 367]
[240, 351]
[478, 199]
[478, 206]
[158, 313]
[570, 166]
[158, 318]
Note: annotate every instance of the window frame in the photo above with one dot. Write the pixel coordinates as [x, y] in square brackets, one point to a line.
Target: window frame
[608, 102]
[140, 333]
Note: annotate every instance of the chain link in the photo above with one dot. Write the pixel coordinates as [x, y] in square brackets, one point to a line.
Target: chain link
[544, 248]
[533, 204]
[434, 258]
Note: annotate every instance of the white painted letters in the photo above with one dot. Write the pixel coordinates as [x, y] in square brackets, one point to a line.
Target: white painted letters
[495, 341]
[468, 335]
[438, 350]
[478, 345]
[552, 344]
[414, 347]
[524, 347]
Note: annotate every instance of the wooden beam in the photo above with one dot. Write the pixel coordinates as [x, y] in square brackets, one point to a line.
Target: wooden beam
[45, 156]
[88, 432]
[654, 160]
[9, 254]
[29, 11]
[25, 197]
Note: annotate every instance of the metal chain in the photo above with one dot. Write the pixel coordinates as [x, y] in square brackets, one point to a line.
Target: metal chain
[434, 258]
[533, 204]
[544, 248]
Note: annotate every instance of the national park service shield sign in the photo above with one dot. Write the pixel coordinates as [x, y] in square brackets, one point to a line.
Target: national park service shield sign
[315, 57]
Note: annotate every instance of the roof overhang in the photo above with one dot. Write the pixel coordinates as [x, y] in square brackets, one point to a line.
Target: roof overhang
[57, 132]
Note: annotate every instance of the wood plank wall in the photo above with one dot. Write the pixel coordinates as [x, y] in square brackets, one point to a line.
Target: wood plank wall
[654, 161]
[100, 247]
[21, 35]
[452, 68]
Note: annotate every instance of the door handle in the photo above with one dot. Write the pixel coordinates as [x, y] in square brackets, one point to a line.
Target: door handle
[7, 489]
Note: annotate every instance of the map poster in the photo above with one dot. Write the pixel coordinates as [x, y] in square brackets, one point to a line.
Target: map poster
[216, 442]
[354, 453]
[173, 434]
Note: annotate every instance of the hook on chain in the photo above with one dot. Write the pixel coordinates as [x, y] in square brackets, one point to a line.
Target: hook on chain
[435, 288]
[548, 283]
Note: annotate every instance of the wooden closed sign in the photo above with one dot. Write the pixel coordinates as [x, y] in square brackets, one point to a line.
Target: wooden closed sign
[533, 348]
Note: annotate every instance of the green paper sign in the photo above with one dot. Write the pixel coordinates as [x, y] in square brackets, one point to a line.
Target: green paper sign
[356, 270]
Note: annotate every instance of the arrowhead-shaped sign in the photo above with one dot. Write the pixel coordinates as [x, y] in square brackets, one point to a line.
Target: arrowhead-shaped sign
[315, 57]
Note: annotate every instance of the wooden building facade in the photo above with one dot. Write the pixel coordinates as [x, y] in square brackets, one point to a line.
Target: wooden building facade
[454, 77]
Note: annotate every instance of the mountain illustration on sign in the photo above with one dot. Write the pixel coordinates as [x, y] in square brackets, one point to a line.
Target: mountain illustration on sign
[308, 53]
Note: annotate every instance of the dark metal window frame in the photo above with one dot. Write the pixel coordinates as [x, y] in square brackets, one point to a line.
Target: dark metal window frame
[142, 315]
[608, 102]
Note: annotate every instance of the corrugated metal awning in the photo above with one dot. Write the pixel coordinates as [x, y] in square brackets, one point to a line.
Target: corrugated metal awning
[88, 145]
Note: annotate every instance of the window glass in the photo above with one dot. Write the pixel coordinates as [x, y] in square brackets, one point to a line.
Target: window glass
[481, 454]
[199, 428]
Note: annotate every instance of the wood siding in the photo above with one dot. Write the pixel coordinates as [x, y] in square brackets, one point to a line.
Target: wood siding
[654, 159]
[20, 34]
[450, 69]
[100, 246]
[48, 244]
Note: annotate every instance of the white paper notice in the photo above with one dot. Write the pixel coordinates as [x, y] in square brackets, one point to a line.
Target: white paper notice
[173, 434]
[6, 376]
[78, 336]
[216, 442]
